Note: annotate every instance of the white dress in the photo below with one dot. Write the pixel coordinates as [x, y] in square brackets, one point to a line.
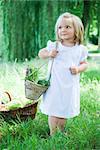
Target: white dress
[62, 99]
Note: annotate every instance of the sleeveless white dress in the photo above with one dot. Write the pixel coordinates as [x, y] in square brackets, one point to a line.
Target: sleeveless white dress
[62, 99]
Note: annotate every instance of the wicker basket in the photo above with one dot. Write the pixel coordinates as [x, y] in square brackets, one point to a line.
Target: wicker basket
[34, 91]
[23, 113]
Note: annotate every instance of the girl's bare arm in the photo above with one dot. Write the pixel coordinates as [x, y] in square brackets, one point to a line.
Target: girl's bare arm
[44, 53]
[78, 69]
[83, 66]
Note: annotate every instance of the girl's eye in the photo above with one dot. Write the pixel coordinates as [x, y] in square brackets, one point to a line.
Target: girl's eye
[68, 27]
[59, 27]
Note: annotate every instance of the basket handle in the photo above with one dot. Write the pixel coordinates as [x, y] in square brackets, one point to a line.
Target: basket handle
[51, 65]
[8, 95]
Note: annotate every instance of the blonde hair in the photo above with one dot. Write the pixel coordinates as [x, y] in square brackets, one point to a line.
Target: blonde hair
[78, 26]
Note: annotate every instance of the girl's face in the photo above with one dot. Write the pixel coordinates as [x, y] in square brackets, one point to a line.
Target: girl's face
[66, 31]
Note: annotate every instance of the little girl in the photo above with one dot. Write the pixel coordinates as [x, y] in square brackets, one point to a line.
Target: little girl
[62, 99]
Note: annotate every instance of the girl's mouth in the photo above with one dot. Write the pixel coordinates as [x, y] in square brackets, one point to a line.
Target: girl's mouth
[64, 34]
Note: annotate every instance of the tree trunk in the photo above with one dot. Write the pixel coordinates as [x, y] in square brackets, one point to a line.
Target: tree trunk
[98, 23]
[28, 25]
[86, 19]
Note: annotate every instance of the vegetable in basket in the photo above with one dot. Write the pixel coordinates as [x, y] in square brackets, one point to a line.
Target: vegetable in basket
[6, 101]
[33, 74]
[13, 105]
[43, 82]
[17, 103]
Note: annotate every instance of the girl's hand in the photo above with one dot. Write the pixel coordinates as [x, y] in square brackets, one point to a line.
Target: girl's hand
[74, 70]
[53, 53]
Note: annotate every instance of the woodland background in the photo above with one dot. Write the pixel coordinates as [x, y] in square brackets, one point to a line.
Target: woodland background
[26, 25]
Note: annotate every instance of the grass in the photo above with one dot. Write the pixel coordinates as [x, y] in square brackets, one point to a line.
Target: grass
[33, 134]
[92, 48]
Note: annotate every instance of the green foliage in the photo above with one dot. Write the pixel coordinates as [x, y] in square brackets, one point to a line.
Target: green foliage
[28, 25]
[43, 82]
[34, 75]
[17, 103]
[91, 75]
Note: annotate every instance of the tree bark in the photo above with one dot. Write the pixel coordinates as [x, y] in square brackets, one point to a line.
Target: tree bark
[28, 25]
[86, 19]
[98, 23]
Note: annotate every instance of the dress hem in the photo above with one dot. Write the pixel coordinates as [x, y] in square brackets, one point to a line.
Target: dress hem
[59, 116]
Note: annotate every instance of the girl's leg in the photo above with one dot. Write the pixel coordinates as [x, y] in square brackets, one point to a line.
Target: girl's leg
[52, 121]
[61, 123]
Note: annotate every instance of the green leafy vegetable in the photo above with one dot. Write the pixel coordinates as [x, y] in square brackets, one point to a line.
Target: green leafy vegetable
[43, 82]
[33, 74]
[16, 103]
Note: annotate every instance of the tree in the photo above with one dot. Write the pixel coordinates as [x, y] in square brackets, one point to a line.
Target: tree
[98, 23]
[86, 19]
[28, 25]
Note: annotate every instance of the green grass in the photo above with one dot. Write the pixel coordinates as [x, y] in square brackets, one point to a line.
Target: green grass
[33, 134]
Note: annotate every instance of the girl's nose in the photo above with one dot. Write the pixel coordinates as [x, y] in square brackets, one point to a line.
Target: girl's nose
[63, 28]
